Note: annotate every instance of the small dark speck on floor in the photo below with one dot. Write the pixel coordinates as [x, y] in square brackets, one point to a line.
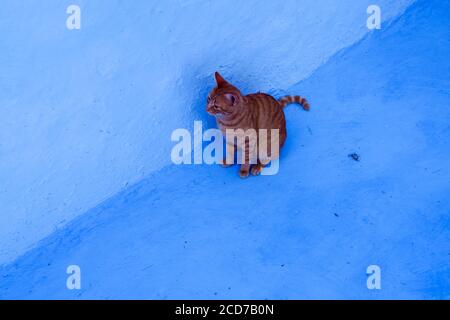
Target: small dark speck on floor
[354, 156]
[336, 215]
[282, 265]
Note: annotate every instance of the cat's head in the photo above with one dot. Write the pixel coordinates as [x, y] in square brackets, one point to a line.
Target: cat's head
[225, 100]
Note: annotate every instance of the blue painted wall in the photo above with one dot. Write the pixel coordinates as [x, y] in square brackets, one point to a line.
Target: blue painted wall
[86, 113]
[308, 232]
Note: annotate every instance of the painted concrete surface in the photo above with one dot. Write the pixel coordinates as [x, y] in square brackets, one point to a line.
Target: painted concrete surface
[85, 113]
[310, 231]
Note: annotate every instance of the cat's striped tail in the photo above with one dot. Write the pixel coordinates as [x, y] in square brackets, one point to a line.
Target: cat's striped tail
[294, 99]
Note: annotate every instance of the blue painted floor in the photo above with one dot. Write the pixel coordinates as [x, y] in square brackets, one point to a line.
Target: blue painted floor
[309, 231]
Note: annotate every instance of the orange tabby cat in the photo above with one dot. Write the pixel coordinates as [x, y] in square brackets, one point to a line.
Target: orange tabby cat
[233, 110]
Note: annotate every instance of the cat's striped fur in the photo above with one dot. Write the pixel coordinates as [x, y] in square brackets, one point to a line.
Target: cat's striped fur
[254, 111]
[294, 99]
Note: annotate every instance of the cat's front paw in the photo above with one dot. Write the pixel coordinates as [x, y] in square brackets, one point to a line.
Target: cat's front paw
[256, 169]
[244, 173]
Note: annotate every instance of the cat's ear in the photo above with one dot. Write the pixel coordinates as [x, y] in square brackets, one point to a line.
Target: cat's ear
[220, 80]
[230, 98]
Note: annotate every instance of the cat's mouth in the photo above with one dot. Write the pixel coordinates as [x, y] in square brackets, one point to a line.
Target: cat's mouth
[217, 112]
